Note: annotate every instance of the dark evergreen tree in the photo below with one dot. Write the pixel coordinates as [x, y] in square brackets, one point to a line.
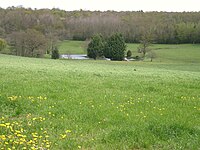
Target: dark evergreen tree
[95, 47]
[55, 53]
[115, 47]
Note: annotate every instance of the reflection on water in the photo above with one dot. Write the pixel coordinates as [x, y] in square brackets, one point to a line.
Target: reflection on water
[74, 56]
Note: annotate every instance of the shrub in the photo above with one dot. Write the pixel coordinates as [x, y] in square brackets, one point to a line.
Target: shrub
[137, 57]
[129, 54]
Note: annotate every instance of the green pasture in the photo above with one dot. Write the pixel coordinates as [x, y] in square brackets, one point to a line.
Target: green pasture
[168, 53]
[87, 104]
[164, 52]
[72, 47]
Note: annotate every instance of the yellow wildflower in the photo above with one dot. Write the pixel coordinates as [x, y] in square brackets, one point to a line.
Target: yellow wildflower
[3, 137]
[68, 131]
[63, 136]
[79, 147]
[2, 125]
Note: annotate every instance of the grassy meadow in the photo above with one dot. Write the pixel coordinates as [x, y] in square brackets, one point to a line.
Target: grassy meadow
[87, 104]
[72, 47]
[188, 53]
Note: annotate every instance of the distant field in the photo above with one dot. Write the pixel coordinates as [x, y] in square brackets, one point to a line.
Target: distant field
[73, 104]
[72, 47]
[165, 52]
[189, 53]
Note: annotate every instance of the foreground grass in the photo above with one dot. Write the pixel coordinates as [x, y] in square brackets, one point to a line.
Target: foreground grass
[59, 104]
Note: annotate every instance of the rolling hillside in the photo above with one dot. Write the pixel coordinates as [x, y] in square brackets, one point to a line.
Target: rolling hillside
[74, 104]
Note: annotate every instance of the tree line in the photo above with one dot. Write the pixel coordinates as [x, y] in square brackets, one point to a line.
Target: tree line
[17, 24]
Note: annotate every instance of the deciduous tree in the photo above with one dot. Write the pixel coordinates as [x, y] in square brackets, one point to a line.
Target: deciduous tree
[145, 43]
[30, 43]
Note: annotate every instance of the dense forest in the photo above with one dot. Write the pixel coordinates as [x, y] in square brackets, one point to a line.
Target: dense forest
[19, 26]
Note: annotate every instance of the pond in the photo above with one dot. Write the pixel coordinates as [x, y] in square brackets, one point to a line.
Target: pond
[74, 56]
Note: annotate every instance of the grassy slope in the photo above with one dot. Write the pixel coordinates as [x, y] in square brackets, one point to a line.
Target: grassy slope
[102, 104]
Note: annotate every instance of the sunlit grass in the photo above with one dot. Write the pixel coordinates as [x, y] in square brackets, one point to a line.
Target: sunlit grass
[72, 104]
